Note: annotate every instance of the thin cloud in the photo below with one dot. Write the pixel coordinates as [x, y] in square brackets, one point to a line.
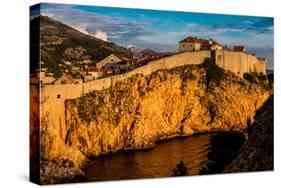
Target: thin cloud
[263, 26]
[161, 32]
[100, 35]
[118, 29]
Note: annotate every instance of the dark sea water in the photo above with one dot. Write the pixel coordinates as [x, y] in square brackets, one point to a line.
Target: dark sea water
[157, 162]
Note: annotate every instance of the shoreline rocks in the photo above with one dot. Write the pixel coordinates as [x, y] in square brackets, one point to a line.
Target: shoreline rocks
[51, 173]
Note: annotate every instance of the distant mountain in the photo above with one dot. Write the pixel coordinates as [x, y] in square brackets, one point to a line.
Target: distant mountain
[139, 52]
[149, 51]
[60, 42]
[136, 51]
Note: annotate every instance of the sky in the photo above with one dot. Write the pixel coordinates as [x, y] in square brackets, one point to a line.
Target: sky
[161, 30]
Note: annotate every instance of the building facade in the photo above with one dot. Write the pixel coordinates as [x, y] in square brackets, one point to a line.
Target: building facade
[109, 62]
[190, 44]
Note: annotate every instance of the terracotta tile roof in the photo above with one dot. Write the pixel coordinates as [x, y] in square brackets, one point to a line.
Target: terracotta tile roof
[105, 70]
[92, 68]
[205, 44]
[192, 39]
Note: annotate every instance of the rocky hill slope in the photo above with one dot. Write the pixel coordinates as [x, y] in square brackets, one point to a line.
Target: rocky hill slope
[59, 42]
[257, 153]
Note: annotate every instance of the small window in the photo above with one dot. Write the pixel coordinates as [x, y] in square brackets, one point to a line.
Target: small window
[58, 96]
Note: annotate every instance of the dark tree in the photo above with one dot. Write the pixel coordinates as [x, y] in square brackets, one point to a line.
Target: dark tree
[180, 170]
[213, 72]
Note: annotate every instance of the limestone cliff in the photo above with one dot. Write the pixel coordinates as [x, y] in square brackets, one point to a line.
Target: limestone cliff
[257, 153]
[138, 111]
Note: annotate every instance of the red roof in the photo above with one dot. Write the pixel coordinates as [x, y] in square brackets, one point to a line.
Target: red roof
[203, 42]
[92, 68]
[106, 70]
[192, 39]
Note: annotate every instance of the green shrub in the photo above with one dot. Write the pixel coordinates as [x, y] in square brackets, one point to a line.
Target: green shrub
[213, 72]
[77, 75]
[259, 79]
[250, 77]
[58, 73]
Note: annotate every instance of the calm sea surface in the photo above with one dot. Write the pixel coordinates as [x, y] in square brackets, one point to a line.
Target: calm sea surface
[157, 162]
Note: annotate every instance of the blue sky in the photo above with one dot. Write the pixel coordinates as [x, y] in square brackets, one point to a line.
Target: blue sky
[161, 30]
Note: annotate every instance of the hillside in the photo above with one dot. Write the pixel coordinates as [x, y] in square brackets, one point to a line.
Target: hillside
[149, 51]
[60, 42]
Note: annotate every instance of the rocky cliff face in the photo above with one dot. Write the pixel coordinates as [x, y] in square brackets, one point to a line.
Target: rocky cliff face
[257, 153]
[141, 110]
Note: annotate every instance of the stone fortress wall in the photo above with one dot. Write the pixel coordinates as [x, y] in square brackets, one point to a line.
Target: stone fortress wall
[236, 62]
[71, 91]
[239, 62]
[52, 97]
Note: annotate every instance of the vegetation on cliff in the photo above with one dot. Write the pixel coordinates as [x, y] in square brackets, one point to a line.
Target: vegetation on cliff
[213, 72]
[256, 78]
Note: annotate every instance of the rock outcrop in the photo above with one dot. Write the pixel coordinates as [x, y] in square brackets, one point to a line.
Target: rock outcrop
[257, 153]
[138, 111]
[141, 110]
[51, 173]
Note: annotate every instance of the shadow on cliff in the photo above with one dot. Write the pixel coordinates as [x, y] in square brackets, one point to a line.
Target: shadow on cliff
[225, 146]
[232, 153]
[257, 153]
